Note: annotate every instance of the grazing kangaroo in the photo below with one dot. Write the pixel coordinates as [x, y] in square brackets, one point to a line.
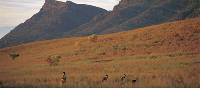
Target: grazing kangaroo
[134, 81]
[1, 84]
[63, 79]
[123, 77]
[105, 78]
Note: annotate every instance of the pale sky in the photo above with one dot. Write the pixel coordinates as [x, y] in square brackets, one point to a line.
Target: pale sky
[14, 12]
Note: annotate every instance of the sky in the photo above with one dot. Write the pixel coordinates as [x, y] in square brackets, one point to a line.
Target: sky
[14, 12]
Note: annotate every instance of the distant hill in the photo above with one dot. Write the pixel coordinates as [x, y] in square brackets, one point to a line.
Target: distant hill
[54, 18]
[58, 19]
[131, 14]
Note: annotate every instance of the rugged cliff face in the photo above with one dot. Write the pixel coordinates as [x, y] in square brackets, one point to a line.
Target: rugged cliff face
[131, 14]
[51, 22]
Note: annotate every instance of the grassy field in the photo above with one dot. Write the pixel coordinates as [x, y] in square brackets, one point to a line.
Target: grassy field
[157, 71]
[160, 56]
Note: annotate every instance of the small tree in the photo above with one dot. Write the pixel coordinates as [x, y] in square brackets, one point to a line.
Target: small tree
[53, 60]
[14, 55]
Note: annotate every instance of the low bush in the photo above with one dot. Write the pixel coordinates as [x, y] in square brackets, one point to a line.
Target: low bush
[14, 55]
[53, 60]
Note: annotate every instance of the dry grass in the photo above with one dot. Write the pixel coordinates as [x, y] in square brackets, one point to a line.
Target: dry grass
[162, 56]
[151, 71]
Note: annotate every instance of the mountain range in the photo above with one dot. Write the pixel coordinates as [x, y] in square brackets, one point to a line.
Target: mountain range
[54, 18]
[67, 19]
[132, 14]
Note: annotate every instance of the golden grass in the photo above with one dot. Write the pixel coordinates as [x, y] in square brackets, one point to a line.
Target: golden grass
[161, 56]
[151, 71]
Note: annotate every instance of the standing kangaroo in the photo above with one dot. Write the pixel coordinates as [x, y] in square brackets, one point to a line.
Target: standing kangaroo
[63, 79]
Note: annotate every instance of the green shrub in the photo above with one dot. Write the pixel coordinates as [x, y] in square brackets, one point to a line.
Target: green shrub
[53, 60]
[119, 47]
[14, 55]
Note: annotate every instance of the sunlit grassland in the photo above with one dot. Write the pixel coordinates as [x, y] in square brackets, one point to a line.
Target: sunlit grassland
[151, 71]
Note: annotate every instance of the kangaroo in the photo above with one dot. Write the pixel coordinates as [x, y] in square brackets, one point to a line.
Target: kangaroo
[105, 78]
[123, 77]
[63, 79]
[134, 81]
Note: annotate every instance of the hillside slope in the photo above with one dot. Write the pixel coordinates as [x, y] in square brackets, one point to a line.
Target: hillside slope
[54, 18]
[180, 36]
[160, 56]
